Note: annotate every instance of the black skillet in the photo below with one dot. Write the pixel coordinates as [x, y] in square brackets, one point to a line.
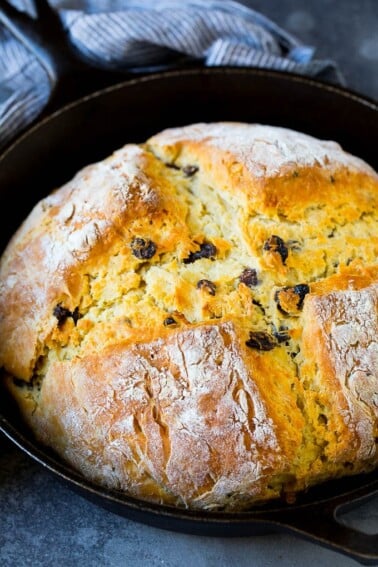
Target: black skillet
[51, 151]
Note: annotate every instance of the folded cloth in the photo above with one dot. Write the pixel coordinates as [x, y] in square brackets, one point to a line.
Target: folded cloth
[145, 35]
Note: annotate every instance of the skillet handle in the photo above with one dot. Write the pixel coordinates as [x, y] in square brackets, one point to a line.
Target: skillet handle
[321, 524]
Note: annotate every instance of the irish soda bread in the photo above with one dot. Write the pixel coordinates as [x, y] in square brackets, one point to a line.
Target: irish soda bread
[194, 320]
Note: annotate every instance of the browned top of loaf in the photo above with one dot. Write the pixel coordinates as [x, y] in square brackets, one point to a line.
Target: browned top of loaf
[176, 351]
[257, 163]
[269, 171]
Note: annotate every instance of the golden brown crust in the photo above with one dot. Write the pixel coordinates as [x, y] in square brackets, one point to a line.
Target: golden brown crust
[340, 350]
[183, 413]
[195, 319]
[273, 171]
[72, 228]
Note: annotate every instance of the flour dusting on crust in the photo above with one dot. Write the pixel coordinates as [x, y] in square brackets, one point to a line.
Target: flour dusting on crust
[193, 321]
[265, 150]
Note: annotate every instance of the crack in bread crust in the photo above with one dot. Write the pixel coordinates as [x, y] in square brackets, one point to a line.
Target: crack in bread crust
[193, 320]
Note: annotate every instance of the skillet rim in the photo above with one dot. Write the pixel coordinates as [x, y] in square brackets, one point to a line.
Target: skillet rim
[43, 119]
[39, 454]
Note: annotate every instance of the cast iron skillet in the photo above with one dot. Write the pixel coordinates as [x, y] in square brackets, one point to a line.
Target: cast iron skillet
[51, 151]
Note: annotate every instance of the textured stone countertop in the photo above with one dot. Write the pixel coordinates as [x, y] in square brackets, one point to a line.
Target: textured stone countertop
[42, 522]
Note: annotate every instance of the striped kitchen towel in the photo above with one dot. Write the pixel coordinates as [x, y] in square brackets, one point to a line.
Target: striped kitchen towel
[148, 35]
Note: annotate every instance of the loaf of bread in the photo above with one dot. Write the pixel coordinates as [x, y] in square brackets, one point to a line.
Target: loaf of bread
[194, 320]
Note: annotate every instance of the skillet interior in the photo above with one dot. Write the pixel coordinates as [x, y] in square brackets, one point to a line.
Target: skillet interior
[51, 152]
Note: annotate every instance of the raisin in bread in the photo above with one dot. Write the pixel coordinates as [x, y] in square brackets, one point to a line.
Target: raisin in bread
[194, 320]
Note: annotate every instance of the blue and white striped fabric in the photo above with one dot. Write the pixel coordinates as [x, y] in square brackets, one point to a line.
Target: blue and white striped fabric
[148, 34]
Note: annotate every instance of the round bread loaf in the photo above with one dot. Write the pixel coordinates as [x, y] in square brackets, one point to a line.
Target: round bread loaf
[194, 320]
